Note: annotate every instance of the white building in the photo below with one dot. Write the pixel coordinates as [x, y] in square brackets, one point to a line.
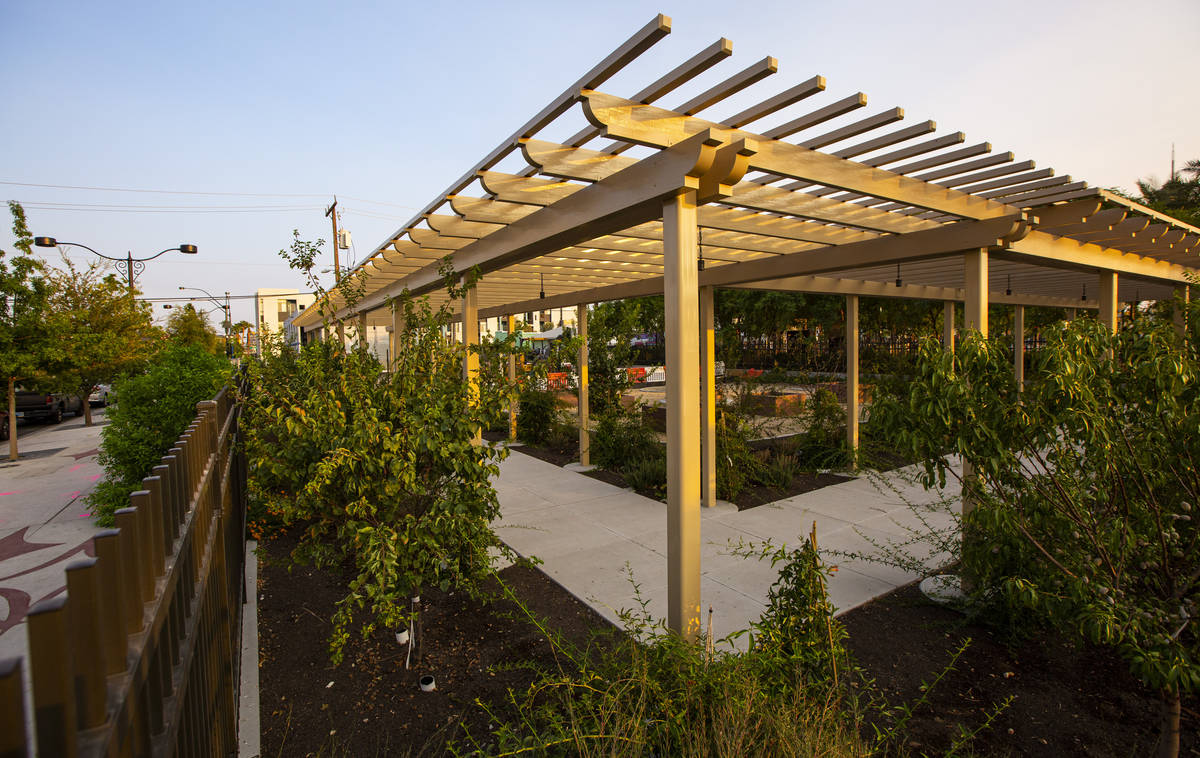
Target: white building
[272, 309]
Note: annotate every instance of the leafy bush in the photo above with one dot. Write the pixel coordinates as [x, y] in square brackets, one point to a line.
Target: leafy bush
[621, 438]
[823, 442]
[777, 471]
[1084, 484]
[381, 471]
[649, 475]
[649, 692]
[735, 462]
[154, 409]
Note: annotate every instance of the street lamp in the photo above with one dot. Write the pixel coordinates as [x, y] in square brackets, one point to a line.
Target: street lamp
[128, 265]
[219, 304]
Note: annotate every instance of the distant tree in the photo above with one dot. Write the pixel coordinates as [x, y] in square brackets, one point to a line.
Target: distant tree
[25, 340]
[187, 326]
[106, 332]
[1176, 197]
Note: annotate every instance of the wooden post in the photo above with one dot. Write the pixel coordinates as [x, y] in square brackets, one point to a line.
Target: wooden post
[85, 618]
[1108, 300]
[975, 318]
[948, 325]
[512, 380]
[1182, 298]
[470, 325]
[708, 400]
[975, 266]
[852, 412]
[581, 317]
[12, 709]
[682, 324]
[52, 670]
[1019, 346]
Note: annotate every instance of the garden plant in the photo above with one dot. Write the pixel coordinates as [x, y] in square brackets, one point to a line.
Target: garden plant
[1084, 485]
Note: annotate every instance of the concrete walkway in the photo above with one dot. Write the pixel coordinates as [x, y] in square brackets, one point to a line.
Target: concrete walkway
[44, 519]
[591, 536]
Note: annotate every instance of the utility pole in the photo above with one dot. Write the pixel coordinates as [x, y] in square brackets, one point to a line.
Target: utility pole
[331, 212]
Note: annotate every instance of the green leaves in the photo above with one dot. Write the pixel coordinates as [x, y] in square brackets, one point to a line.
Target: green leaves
[382, 470]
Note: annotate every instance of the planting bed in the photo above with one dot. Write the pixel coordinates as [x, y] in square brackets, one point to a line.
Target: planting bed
[1066, 700]
[374, 706]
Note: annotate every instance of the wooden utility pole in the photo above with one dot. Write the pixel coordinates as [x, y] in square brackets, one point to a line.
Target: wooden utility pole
[331, 212]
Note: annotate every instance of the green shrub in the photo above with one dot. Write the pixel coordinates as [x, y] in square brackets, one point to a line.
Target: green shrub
[649, 475]
[622, 437]
[154, 409]
[539, 415]
[649, 692]
[823, 443]
[778, 470]
[736, 464]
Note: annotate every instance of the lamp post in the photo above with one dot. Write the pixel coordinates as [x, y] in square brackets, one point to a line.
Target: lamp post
[128, 265]
[218, 303]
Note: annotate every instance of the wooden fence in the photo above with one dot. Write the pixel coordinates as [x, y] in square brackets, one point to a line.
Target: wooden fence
[141, 657]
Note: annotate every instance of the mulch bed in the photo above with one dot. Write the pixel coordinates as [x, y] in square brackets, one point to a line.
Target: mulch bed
[375, 706]
[1067, 700]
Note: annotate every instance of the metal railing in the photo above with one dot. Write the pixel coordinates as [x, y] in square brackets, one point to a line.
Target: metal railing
[142, 655]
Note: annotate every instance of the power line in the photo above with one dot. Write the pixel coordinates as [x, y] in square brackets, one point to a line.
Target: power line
[192, 192]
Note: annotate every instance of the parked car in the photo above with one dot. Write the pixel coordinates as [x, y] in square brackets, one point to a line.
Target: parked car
[46, 406]
[101, 395]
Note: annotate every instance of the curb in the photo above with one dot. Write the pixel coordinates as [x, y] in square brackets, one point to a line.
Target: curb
[249, 734]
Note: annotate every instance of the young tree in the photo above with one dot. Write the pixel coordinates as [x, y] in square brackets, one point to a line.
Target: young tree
[1086, 484]
[106, 332]
[25, 339]
[187, 326]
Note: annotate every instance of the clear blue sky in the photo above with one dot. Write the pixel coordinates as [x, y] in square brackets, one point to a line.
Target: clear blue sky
[385, 104]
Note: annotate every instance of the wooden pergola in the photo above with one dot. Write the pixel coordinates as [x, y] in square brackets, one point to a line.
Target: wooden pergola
[645, 199]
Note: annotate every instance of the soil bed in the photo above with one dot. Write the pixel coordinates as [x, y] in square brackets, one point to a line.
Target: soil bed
[1067, 700]
[374, 706]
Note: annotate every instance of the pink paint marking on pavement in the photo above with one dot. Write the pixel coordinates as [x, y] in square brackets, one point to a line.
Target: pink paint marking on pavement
[84, 515]
[2, 494]
[94, 477]
[74, 468]
[76, 493]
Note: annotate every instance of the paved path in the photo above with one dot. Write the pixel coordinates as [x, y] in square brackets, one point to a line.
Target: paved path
[44, 521]
[587, 533]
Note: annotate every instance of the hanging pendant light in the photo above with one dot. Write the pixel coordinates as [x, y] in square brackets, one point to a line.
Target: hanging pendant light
[542, 294]
[1083, 297]
[899, 281]
[700, 247]
[1009, 290]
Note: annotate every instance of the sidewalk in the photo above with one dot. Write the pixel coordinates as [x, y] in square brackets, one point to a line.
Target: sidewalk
[588, 532]
[44, 521]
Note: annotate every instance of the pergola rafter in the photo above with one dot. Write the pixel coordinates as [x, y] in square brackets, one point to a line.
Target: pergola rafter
[802, 190]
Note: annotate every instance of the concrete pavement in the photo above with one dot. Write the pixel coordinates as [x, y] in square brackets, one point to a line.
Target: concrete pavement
[594, 538]
[44, 521]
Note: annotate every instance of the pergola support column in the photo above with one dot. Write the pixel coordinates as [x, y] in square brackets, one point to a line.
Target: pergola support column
[1108, 300]
[708, 400]
[682, 324]
[470, 326]
[510, 325]
[948, 325]
[1182, 298]
[975, 318]
[1019, 346]
[581, 316]
[852, 412]
[975, 268]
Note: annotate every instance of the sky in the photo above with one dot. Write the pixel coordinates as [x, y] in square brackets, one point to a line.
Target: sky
[238, 122]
